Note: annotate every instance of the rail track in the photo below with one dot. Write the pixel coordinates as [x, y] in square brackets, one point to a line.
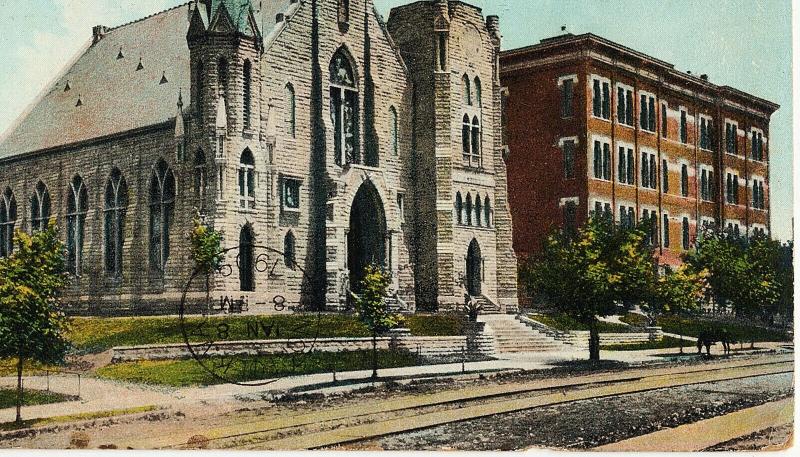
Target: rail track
[373, 419]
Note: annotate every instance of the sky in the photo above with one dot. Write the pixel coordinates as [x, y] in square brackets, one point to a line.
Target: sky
[741, 43]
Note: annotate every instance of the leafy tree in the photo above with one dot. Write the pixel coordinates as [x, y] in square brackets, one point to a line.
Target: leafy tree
[679, 293]
[371, 307]
[587, 275]
[749, 274]
[32, 325]
[205, 247]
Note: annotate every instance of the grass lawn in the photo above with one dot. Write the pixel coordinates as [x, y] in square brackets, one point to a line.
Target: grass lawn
[93, 335]
[181, 373]
[665, 342]
[30, 397]
[691, 327]
[564, 322]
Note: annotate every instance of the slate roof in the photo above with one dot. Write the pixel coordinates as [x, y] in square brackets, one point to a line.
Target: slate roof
[114, 96]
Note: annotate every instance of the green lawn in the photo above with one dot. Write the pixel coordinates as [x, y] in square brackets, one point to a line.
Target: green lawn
[564, 322]
[92, 335]
[181, 373]
[665, 342]
[8, 397]
[691, 327]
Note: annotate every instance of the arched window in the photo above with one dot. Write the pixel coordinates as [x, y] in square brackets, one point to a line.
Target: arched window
[247, 73]
[477, 87]
[394, 137]
[40, 207]
[77, 207]
[487, 211]
[459, 209]
[114, 222]
[8, 217]
[222, 77]
[467, 90]
[478, 211]
[247, 180]
[288, 251]
[469, 209]
[344, 110]
[465, 140]
[200, 78]
[200, 177]
[475, 159]
[162, 203]
[291, 107]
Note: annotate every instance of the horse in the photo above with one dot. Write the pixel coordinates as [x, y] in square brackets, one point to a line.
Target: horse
[709, 336]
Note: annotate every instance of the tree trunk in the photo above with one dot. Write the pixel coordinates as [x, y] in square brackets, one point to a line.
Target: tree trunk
[19, 390]
[374, 355]
[208, 295]
[594, 340]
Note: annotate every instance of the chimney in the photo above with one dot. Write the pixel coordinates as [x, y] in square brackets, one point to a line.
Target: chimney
[98, 32]
[279, 18]
[704, 77]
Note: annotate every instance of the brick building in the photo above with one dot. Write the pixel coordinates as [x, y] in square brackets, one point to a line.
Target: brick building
[317, 137]
[594, 126]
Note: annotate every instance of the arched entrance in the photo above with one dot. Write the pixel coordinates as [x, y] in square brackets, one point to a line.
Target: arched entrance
[366, 240]
[474, 261]
[247, 281]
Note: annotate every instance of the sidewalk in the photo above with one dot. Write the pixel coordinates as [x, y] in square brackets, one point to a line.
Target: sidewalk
[102, 395]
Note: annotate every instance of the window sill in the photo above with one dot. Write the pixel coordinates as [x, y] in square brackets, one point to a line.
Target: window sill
[622, 124]
[285, 210]
[626, 184]
[601, 118]
[246, 210]
[600, 179]
[650, 132]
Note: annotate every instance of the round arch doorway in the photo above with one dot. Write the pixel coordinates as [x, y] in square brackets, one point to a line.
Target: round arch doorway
[474, 261]
[366, 240]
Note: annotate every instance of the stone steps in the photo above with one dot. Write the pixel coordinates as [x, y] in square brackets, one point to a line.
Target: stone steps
[512, 336]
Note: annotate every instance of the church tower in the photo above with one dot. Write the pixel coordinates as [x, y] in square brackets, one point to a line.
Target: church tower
[461, 202]
[226, 47]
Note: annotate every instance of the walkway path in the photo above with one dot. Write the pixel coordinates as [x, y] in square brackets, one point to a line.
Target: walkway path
[99, 394]
[706, 433]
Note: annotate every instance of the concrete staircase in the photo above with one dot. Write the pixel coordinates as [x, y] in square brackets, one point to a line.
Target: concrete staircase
[512, 336]
[487, 305]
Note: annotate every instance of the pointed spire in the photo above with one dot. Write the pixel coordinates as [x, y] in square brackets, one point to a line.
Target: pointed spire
[163, 78]
[140, 66]
[67, 87]
[120, 55]
[80, 103]
[180, 129]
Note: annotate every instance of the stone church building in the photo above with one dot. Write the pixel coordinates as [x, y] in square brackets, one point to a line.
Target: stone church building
[316, 136]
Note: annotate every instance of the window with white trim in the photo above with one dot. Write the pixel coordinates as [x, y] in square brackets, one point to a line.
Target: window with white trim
[602, 160]
[625, 105]
[647, 112]
[731, 142]
[626, 166]
[290, 194]
[649, 170]
[601, 98]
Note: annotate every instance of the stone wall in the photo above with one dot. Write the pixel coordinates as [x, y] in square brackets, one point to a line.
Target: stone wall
[422, 345]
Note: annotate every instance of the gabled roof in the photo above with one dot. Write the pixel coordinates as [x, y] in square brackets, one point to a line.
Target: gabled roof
[238, 11]
[114, 96]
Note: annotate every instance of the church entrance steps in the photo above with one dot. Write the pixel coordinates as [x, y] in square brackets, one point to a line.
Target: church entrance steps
[512, 336]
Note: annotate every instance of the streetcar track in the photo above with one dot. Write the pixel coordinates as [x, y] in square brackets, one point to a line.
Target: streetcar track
[287, 428]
